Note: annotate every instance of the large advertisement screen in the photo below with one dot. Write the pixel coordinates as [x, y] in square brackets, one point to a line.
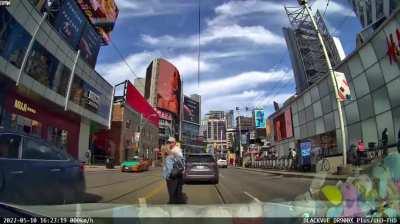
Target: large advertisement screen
[90, 45]
[191, 110]
[70, 22]
[288, 123]
[259, 119]
[168, 87]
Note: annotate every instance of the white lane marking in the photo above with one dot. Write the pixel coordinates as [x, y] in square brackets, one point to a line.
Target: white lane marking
[252, 197]
[142, 202]
[221, 175]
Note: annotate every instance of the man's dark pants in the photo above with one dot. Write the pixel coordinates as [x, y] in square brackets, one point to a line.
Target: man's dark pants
[172, 186]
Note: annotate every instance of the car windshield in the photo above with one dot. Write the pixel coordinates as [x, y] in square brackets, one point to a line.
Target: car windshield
[200, 108]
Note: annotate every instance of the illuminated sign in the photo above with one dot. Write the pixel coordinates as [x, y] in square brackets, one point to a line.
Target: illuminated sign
[164, 115]
[343, 86]
[259, 118]
[19, 105]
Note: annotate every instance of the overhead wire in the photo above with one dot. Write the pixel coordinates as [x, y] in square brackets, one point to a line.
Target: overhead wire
[123, 59]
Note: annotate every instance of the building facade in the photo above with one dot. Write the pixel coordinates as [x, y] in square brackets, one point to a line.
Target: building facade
[372, 13]
[163, 90]
[191, 142]
[139, 84]
[229, 116]
[56, 94]
[134, 129]
[305, 51]
[373, 74]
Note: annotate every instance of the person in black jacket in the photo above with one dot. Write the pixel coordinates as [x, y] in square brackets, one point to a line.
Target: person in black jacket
[385, 139]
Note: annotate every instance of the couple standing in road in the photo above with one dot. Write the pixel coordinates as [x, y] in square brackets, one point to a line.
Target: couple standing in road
[174, 167]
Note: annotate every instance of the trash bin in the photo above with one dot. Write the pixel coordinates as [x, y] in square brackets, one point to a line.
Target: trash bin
[109, 163]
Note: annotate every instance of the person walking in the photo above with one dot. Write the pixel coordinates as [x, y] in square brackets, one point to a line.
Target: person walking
[385, 138]
[174, 179]
[360, 151]
[294, 159]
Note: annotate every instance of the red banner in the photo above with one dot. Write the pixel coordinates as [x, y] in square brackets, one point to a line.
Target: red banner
[135, 100]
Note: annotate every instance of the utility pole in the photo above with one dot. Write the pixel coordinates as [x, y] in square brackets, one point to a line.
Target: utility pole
[240, 136]
[304, 4]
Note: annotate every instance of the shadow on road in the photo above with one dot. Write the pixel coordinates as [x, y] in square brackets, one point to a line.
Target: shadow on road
[90, 198]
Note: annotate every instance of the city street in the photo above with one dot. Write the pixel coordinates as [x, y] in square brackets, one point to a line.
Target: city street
[235, 186]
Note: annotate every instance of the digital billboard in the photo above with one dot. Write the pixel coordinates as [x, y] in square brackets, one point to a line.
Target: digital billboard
[305, 148]
[70, 22]
[259, 118]
[191, 110]
[102, 14]
[168, 87]
[90, 45]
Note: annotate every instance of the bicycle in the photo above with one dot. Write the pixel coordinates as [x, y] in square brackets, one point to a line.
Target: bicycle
[324, 164]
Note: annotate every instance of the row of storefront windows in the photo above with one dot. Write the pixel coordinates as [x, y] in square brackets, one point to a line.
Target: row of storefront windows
[43, 66]
[22, 124]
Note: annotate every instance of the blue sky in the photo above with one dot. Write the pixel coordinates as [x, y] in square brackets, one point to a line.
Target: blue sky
[244, 59]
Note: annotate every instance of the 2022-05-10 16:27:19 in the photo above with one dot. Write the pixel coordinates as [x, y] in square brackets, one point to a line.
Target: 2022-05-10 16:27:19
[45, 220]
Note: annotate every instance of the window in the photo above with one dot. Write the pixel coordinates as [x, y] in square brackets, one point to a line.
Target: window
[375, 77]
[314, 94]
[377, 43]
[393, 90]
[9, 146]
[391, 71]
[86, 96]
[33, 149]
[317, 109]
[307, 99]
[14, 39]
[379, 8]
[58, 137]
[369, 133]
[61, 79]
[326, 104]
[365, 106]
[26, 125]
[41, 65]
[319, 126]
[381, 100]
[355, 66]
[361, 85]
[351, 111]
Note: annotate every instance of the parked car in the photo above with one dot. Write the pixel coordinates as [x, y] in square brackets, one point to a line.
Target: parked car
[32, 171]
[201, 167]
[222, 163]
[135, 165]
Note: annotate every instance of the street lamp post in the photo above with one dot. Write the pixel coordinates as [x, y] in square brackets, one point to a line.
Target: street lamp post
[240, 136]
[304, 4]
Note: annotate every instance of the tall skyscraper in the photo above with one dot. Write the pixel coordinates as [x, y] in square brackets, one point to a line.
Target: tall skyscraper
[191, 124]
[372, 13]
[229, 119]
[305, 49]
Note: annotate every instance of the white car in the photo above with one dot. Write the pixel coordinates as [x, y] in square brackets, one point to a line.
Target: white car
[222, 163]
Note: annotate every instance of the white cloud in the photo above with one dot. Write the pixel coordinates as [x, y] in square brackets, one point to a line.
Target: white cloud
[248, 98]
[239, 82]
[253, 34]
[145, 8]
[334, 8]
[119, 71]
[229, 12]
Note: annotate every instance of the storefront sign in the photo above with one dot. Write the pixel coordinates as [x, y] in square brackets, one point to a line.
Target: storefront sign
[90, 45]
[305, 148]
[393, 50]
[93, 99]
[19, 105]
[164, 115]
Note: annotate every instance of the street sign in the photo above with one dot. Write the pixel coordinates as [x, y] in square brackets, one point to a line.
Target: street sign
[343, 86]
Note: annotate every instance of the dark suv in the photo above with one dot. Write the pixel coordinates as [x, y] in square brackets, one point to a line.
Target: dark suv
[33, 171]
[201, 167]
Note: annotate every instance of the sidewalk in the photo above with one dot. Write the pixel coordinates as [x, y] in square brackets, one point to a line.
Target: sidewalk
[287, 173]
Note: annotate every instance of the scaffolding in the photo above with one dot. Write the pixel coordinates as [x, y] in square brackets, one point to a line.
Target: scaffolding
[310, 50]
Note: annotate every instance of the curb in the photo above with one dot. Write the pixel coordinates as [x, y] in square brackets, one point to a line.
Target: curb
[294, 174]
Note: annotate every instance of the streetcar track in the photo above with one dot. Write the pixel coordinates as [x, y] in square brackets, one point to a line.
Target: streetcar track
[219, 194]
[132, 191]
[120, 182]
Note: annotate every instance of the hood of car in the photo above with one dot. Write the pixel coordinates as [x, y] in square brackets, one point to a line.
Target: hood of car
[130, 163]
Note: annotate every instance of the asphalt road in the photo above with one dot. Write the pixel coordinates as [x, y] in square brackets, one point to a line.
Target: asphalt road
[235, 186]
